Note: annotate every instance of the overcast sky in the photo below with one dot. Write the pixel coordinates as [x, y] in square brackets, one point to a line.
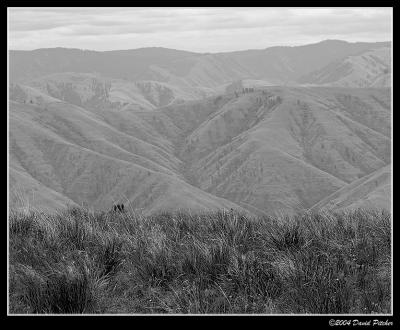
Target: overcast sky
[193, 29]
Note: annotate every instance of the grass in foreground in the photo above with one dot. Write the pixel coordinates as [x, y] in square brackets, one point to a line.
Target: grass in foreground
[81, 262]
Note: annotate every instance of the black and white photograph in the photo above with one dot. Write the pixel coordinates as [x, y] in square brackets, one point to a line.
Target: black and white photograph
[200, 161]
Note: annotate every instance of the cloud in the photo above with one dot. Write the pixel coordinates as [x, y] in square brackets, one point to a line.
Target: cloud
[213, 29]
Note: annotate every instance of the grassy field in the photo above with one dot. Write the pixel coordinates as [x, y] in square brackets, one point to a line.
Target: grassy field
[82, 262]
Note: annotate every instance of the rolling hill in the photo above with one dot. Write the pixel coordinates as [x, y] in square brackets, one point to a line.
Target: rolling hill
[369, 69]
[284, 148]
[93, 91]
[279, 149]
[96, 166]
[371, 191]
[271, 131]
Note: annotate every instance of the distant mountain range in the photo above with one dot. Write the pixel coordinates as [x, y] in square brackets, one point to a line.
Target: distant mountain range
[279, 65]
[271, 131]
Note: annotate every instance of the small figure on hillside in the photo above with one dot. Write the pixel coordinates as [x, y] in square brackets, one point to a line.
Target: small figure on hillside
[119, 208]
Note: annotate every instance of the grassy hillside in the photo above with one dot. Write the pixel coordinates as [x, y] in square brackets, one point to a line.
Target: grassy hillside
[224, 262]
[371, 191]
[367, 69]
[284, 148]
[270, 150]
[69, 151]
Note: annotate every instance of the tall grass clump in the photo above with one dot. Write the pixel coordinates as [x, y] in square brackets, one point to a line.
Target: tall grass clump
[78, 261]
